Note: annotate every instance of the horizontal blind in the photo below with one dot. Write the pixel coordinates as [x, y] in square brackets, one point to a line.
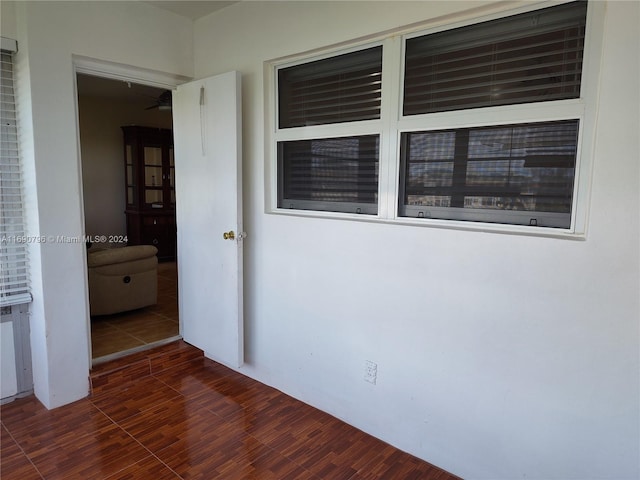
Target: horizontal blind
[334, 174]
[344, 88]
[510, 168]
[14, 276]
[530, 57]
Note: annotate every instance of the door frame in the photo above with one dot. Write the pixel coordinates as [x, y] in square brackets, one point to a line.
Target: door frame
[126, 73]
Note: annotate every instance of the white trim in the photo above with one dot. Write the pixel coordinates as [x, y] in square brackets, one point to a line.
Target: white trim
[467, 18]
[589, 93]
[118, 71]
[331, 130]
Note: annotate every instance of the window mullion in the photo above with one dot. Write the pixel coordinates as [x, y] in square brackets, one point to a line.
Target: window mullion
[389, 149]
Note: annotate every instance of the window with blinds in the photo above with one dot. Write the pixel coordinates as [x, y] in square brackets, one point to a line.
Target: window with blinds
[325, 172]
[344, 88]
[511, 174]
[531, 57]
[517, 174]
[481, 122]
[14, 273]
[330, 174]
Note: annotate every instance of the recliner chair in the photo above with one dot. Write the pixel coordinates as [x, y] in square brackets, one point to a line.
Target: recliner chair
[122, 279]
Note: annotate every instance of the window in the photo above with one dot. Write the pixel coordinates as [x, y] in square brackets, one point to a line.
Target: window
[13, 259]
[514, 174]
[479, 123]
[523, 171]
[345, 88]
[330, 173]
[531, 57]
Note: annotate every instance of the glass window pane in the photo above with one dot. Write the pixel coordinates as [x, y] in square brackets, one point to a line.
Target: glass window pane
[530, 57]
[332, 174]
[527, 167]
[344, 88]
[152, 176]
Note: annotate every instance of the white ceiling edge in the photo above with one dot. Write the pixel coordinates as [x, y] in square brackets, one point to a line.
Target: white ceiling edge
[189, 8]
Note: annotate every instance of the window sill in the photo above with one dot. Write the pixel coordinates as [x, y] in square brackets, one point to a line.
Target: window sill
[519, 230]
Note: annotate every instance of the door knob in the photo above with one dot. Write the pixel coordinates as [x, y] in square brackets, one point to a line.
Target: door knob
[229, 235]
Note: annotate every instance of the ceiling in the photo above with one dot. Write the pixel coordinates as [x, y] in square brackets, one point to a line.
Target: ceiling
[190, 9]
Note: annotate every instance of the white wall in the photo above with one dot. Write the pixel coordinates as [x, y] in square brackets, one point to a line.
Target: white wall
[8, 374]
[103, 182]
[49, 34]
[8, 25]
[499, 356]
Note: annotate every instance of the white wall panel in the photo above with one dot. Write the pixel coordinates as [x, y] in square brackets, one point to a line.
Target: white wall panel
[499, 356]
[8, 376]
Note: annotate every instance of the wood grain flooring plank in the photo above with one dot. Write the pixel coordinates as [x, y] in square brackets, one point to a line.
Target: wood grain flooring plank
[173, 355]
[175, 421]
[104, 380]
[148, 469]
[211, 457]
[14, 464]
[191, 419]
[133, 397]
[90, 457]
[37, 429]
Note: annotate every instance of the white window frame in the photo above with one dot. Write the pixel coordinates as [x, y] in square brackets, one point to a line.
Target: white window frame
[393, 123]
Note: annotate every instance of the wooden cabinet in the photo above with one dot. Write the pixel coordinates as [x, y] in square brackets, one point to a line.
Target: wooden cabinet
[150, 189]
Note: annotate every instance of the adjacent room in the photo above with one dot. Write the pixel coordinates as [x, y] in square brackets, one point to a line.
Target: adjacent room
[118, 122]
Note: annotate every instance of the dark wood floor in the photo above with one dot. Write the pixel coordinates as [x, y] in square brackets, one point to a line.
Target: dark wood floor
[169, 413]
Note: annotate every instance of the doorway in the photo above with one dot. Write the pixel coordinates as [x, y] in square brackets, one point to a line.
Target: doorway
[105, 105]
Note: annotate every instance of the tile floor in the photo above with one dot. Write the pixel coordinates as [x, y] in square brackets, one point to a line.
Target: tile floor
[111, 334]
[169, 413]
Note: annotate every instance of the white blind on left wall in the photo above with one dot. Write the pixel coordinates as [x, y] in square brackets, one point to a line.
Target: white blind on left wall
[14, 262]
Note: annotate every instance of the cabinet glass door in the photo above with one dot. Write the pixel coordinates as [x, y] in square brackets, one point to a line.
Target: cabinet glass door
[131, 181]
[153, 177]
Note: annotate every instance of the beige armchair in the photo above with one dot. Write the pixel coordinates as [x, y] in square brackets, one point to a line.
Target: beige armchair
[122, 279]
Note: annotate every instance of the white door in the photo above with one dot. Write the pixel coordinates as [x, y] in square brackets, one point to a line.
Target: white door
[208, 170]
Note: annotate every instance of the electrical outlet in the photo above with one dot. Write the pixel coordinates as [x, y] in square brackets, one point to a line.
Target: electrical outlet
[370, 371]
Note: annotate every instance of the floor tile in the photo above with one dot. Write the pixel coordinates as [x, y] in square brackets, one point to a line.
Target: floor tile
[133, 397]
[174, 421]
[191, 419]
[109, 339]
[149, 328]
[148, 469]
[14, 464]
[37, 429]
[213, 455]
[89, 457]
